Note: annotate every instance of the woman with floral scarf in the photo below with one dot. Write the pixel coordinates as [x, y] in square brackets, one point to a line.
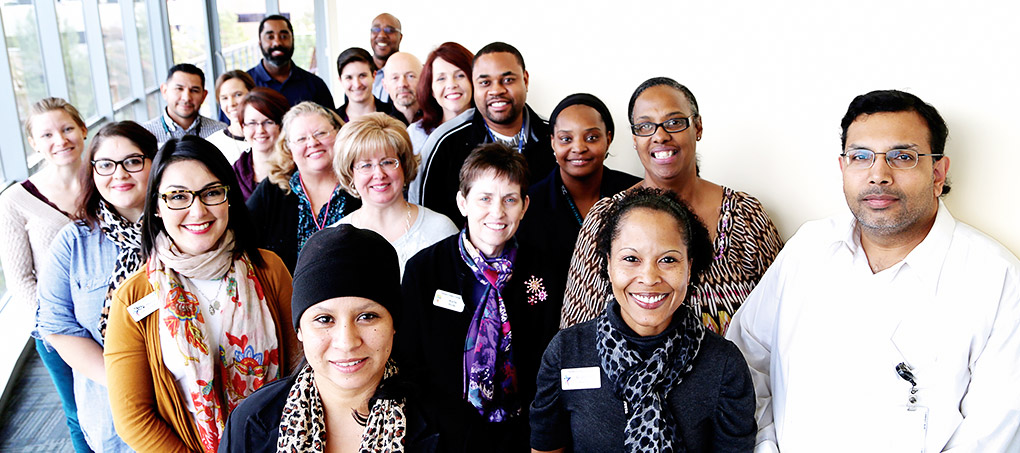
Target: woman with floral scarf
[480, 309]
[204, 323]
[645, 375]
[88, 261]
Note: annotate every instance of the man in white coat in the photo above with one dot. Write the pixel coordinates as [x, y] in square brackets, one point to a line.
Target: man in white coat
[894, 328]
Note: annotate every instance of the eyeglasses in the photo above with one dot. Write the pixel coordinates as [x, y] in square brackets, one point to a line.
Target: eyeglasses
[366, 167]
[672, 126]
[183, 199]
[265, 124]
[106, 167]
[388, 30]
[307, 140]
[900, 159]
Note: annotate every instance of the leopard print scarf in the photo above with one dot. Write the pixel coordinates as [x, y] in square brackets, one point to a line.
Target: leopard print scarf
[643, 385]
[128, 237]
[303, 423]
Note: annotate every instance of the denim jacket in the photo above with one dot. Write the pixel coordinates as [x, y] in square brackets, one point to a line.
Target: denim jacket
[72, 288]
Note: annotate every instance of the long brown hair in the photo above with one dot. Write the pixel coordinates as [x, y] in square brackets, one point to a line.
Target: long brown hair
[431, 112]
[88, 203]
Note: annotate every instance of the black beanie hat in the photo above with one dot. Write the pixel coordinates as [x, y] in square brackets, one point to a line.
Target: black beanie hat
[590, 101]
[346, 261]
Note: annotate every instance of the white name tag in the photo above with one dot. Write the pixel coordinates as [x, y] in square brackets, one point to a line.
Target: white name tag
[448, 300]
[144, 307]
[581, 378]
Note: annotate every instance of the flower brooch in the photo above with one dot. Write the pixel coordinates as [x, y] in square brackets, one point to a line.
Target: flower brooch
[535, 288]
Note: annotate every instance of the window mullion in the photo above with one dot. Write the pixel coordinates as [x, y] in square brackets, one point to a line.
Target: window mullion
[97, 58]
[134, 59]
[49, 43]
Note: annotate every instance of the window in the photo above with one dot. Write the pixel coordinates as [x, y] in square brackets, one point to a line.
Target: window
[74, 46]
[25, 56]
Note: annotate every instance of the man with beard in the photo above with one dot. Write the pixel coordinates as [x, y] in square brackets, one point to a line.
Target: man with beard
[183, 92]
[501, 114]
[385, 36]
[278, 71]
[402, 71]
[894, 328]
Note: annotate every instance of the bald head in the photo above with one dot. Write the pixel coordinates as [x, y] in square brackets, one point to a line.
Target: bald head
[402, 71]
[386, 36]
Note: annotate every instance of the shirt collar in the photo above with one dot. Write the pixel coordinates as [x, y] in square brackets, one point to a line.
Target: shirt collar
[173, 126]
[260, 74]
[925, 260]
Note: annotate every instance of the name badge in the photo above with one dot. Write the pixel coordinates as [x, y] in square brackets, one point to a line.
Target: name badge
[448, 300]
[144, 307]
[581, 378]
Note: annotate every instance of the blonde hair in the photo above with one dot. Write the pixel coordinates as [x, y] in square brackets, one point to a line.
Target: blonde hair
[281, 164]
[49, 104]
[370, 134]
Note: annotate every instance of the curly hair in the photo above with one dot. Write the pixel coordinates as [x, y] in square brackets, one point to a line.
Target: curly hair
[695, 235]
[369, 134]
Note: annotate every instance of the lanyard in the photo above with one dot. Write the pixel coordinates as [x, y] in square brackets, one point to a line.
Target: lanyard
[198, 127]
[325, 215]
[521, 136]
[573, 207]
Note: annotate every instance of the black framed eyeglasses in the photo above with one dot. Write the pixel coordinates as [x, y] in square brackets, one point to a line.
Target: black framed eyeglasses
[183, 199]
[106, 167]
[900, 159]
[672, 126]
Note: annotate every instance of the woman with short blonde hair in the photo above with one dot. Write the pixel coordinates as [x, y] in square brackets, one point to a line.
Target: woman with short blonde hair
[375, 162]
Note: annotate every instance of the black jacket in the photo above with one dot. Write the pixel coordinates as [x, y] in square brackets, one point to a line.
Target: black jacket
[440, 180]
[254, 426]
[430, 342]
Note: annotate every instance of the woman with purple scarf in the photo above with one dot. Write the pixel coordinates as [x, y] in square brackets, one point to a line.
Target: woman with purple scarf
[480, 311]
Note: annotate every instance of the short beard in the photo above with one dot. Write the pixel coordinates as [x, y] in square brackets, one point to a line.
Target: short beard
[281, 60]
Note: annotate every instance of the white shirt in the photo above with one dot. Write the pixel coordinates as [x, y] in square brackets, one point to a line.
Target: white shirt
[428, 228]
[822, 335]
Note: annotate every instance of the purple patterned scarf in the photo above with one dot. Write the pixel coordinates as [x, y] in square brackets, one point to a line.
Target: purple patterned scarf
[488, 355]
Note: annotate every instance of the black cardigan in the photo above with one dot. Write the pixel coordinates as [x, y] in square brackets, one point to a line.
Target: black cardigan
[275, 217]
[430, 342]
[254, 426]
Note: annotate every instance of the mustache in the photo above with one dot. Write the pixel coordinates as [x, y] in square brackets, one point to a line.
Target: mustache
[880, 191]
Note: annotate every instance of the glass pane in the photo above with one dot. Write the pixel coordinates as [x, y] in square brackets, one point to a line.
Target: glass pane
[187, 38]
[116, 51]
[25, 55]
[302, 16]
[125, 113]
[152, 104]
[239, 32]
[145, 43]
[71, 21]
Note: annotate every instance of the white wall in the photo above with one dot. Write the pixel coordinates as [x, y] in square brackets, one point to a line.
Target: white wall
[773, 80]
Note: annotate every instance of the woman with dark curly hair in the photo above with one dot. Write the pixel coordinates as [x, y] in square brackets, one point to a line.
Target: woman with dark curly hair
[645, 375]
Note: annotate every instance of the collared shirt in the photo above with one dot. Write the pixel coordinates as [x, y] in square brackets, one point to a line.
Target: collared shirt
[300, 86]
[164, 127]
[378, 90]
[823, 335]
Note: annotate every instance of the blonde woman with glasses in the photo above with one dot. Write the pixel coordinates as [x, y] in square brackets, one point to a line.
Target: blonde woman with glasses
[375, 162]
[302, 194]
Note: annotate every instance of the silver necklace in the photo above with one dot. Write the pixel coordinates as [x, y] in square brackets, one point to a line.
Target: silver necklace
[214, 302]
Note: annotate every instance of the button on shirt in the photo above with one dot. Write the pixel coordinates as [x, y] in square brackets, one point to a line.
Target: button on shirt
[299, 87]
[822, 335]
[164, 128]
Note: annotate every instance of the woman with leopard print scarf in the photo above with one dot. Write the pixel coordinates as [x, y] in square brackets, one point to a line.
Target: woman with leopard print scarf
[645, 375]
[89, 260]
[349, 396]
